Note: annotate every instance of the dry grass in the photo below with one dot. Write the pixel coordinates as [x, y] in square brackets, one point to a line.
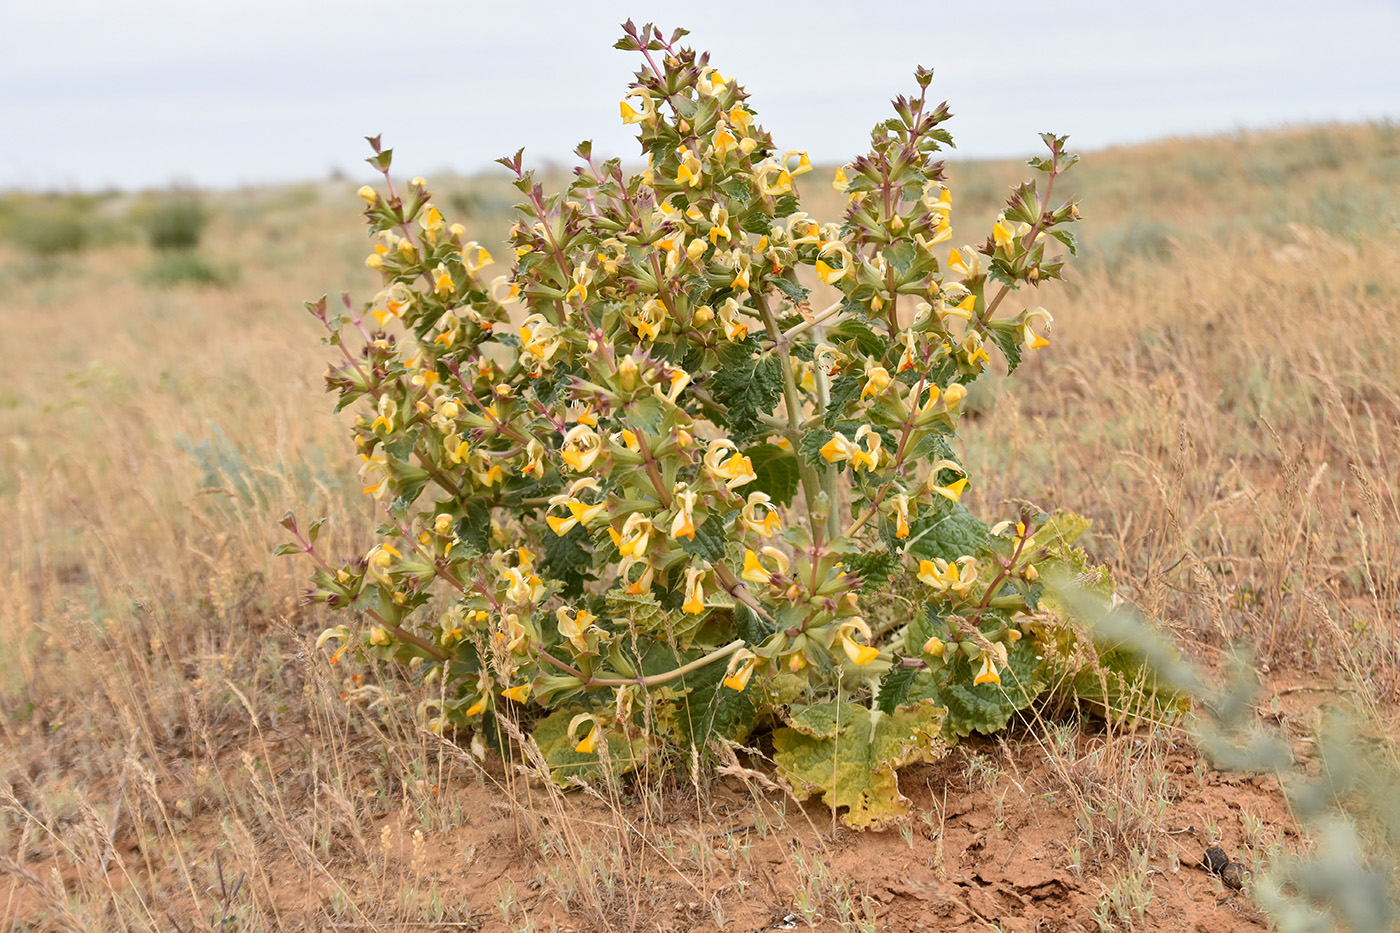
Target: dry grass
[1222, 397]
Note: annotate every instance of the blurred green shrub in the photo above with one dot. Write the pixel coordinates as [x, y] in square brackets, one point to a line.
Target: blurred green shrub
[176, 222]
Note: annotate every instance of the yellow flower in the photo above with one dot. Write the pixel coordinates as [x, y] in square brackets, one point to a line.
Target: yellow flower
[759, 515]
[636, 533]
[648, 112]
[380, 637]
[523, 586]
[724, 142]
[479, 707]
[683, 525]
[734, 329]
[518, 694]
[589, 743]
[539, 338]
[910, 355]
[973, 351]
[877, 380]
[804, 164]
[650, 319]
[968, 265]
[988, 674]
[958, 576]
[782, 182]
[859, 654]
[736, 470]
[1033, 340]
[754, 570]
[581, 447]
[694, 593]
[369, 194]
[534, 459]
[442, 282]
[719, 220]
[1001, 234]
[953, 491]
[575, 625]
[936, 197]
[741, 118]
[901, 514]
[432, 219]
[387, 409]
[935, 647]
[840, 182]
[483, 470]
[828, 274]
[482, 260]
[690, 170]
[582, 277]
[371, 467]
[868, 457]
[642, 585]
[580, 513]
[377, 564]
[741, 667]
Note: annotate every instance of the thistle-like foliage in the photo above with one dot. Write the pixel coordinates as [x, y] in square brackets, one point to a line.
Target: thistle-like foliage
[634, 457]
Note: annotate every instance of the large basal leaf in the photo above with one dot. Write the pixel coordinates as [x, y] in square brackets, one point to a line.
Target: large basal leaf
[567, 764]
[647, 617]
[697, 705]
[1084, 668]
[984, 708]
[849, 755]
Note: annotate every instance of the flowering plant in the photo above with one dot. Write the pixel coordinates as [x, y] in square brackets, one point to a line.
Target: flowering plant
[641, 491]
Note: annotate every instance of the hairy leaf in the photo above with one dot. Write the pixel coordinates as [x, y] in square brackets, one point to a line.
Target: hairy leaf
[849, 755]
[777, 472]
[948, 531]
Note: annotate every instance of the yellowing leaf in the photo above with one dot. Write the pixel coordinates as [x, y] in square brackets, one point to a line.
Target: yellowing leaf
[849, 755]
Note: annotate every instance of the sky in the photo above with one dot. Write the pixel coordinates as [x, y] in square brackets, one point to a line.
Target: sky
[149, 93]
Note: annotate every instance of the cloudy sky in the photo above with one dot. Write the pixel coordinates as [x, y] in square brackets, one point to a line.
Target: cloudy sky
[136, 93]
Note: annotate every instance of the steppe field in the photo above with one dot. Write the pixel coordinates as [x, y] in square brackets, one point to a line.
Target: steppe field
[1221, 396]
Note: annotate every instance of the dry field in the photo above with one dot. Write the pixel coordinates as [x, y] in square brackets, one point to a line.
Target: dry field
[1222, 397]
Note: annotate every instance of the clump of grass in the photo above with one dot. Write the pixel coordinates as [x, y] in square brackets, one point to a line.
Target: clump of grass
[176, 222]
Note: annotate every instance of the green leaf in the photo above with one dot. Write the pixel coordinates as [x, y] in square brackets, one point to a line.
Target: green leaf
[845, 389]
[567, 765]
[796, 293]
[812, 443]
[568, 559]
[854, 332]
[948, 531]
[874, 567]
[747, 388]
[710, 538]
[777, 471]
[986, 708]
[1066, 237]
[849, 755]
[894, 687]
[474, 527]
[698, 705]
[1008, 341]
[646, 616]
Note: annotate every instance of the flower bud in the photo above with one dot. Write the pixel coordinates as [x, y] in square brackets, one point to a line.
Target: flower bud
[369, 194]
